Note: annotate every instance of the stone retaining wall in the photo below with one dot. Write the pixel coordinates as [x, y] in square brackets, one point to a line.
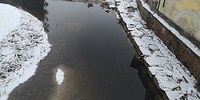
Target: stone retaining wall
[153, 91]
[183, 53]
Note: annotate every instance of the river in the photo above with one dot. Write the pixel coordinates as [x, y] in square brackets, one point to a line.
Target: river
[92, 50]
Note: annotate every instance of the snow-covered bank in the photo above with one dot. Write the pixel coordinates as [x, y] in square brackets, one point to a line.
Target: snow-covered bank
[168, 72]
[23, 43]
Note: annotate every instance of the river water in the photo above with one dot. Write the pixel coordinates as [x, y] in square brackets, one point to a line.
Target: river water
[92, 50]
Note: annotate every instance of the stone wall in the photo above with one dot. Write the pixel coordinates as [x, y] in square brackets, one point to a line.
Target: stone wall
[153, 91]
[185, 13]
[183, 53]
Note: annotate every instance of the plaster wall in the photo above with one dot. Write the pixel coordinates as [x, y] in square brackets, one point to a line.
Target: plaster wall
[185, 13]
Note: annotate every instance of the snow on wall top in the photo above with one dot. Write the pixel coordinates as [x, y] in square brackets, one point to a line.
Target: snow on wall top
[23, 43]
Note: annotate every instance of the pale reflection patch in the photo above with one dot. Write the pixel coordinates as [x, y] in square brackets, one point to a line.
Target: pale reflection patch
[59, 76]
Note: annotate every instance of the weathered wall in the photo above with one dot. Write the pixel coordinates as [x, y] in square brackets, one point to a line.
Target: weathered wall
[185, 13]
[182, 52]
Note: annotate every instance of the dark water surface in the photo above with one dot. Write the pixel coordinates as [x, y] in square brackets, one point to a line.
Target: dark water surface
[92, 49]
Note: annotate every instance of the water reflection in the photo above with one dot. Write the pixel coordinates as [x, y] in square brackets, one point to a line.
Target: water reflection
[91, 43]
[94, 38]
[152, 91]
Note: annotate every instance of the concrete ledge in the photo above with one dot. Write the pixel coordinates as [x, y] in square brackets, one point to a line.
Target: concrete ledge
[182, 52]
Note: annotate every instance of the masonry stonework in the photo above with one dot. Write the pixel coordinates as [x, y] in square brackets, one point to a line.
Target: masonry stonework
[182, 52]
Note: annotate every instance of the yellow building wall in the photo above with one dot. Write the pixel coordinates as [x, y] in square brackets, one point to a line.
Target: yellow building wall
[185, 13]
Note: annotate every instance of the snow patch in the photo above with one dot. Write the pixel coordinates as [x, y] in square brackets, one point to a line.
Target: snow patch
[59, 76]
[8, 23]
[23, 43]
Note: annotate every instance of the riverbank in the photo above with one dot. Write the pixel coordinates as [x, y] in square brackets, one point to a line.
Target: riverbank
[167, 72]
[23, 43]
